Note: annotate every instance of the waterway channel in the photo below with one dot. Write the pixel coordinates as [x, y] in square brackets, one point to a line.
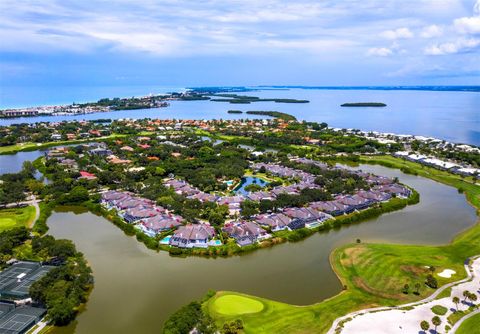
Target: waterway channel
[136, 289]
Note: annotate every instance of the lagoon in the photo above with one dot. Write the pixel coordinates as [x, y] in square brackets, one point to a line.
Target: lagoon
[137, 289]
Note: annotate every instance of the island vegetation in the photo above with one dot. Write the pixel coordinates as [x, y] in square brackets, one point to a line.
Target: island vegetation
[364, 104]
[276, 114]
[235, 112]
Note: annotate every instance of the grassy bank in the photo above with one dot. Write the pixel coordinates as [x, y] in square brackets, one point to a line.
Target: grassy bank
[24, 147]
[16, 217]
[372, 274]
[471, 325]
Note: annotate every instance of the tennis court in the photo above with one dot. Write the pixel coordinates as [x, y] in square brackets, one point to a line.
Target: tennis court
[15, 281]
[20, 319]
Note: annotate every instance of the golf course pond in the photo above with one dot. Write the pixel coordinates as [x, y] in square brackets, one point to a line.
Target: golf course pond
[136, 289]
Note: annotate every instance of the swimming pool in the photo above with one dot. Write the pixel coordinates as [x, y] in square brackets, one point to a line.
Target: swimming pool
[166, 240]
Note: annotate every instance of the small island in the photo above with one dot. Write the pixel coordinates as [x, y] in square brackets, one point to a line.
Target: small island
[364, 104]
[235, 112]
[275, 114]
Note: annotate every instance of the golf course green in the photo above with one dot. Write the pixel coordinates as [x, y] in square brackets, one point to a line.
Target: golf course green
[236, 304]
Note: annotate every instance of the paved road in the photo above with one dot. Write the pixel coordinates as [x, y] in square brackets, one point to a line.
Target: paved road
[37, 210]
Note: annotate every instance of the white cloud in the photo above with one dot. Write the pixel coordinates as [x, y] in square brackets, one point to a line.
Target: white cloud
[400, 33]
[432, 31]
[468, 25]
[461, 45]
[379, 52]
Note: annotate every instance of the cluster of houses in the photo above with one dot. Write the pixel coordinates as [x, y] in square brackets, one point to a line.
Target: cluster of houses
[150, 218]
[306, 180]
[439, 164]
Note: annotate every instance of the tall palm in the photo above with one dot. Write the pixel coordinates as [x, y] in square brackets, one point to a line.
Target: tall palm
[424, 325]
[456, 300]
[436, 321]
[466, 293]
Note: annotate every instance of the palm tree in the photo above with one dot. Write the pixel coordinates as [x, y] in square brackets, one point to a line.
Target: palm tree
[417, 288]
[436, 321]
[424, 325]
[466, 293]
[456, 300]
[472, 297]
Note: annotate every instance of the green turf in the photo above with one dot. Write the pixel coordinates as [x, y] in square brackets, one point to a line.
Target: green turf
[29, 146]
[439, 310]
[470, 326]
[373, 274]
[236, 305]
[16, 217]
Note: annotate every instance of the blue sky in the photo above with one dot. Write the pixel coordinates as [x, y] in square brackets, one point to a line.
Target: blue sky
[188, 43]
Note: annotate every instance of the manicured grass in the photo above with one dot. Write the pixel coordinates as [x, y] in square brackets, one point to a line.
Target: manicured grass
[29, 146]
[16, 217]
[236, 305]
[469, 326]
[372, 274]
[439, 310]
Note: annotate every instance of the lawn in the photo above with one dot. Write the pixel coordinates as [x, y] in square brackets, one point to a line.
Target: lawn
[236, 304]
[29, 146]
[372, 274]
[469, 326]
[16, 217]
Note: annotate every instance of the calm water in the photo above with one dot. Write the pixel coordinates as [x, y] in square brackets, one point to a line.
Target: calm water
[12, 163]
[248, 180]
[453, 116]
[136, 289]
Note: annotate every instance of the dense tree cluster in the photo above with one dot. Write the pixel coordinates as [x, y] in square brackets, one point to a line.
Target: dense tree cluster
[62, 289]
[13, 186]
[189, 317]
[65, 287]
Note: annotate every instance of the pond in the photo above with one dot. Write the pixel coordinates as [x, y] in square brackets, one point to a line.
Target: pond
[136, 289]
[246, 181]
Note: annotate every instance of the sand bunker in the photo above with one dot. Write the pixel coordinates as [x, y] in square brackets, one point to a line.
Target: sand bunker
[447, 273]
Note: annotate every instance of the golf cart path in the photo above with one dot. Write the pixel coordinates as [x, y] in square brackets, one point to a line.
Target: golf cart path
[398, 320]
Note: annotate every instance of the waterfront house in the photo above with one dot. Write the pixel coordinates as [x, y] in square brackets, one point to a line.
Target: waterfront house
[192, 235]
[154, 225]
[296, 224]
[133, 214]
[245, 233]
[334, 208]
[276, 221]
[355, 201]
[398, 190]
[375, 195]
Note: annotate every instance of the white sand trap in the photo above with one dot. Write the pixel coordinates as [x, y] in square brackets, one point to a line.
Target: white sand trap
[447, 273]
